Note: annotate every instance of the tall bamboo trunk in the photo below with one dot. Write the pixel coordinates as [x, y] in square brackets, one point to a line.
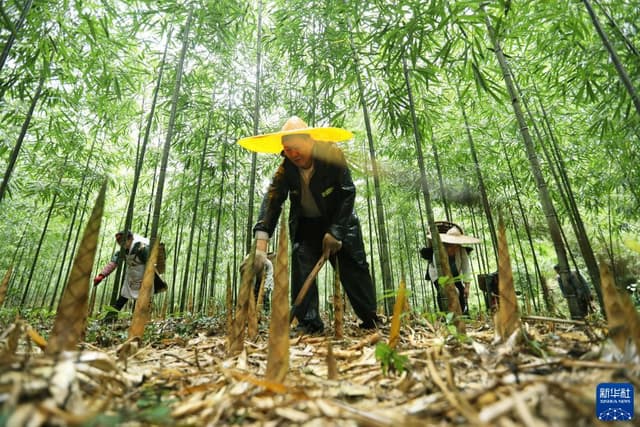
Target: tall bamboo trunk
[562, 185]
[156, 164]
[16, 262]
[46, 285]
[382, 228]
[532, 296]
[94, 272]
[13, 33]
[421, 274]
[481, 186]
[202, 290]
[442, 262]
[204, 279]
[42, 236]
[546, 295]
[72, 226]
[543, 193]
[256, 122]
[194, 215]
[632, 48]
[400, 249]
[216, 240]
[198, 292]
[482, 257]
[559, 172]
[223, 176]
[128, 222]
[609, 240]
[371, 220]
[178, 248]
[443, 193]
[423, 222]
[36, 255]
[23, 132]
[410, 256]
[177, 245]
[622, 72]
[155, 224]
[581, 233]
[392, 267]
[236, 239]
[17, 283]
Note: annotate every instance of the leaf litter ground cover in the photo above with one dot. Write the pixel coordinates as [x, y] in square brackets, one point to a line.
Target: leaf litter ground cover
[181, 375]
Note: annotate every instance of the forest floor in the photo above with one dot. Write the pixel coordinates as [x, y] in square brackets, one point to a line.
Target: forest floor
[181, 375]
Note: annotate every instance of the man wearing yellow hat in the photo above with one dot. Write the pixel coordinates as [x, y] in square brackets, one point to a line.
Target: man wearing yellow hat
[315, 176]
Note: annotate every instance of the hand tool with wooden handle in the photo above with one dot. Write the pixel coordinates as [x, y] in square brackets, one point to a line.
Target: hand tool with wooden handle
[307, 284]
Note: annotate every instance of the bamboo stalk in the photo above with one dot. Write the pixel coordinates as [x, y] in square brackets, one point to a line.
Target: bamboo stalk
[553, 319]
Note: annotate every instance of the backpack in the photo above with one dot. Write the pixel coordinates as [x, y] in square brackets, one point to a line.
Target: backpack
[161, 261]
[159, 285]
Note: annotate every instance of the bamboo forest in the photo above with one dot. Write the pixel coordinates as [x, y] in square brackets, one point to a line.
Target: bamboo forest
[319, 212]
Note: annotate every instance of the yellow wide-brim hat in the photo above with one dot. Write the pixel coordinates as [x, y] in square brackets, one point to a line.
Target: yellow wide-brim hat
[272, 142]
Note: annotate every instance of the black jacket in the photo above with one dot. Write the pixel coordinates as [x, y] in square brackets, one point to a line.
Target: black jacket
[331, 187]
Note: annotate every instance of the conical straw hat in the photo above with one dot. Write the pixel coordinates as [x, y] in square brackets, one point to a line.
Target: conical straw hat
[272, 142]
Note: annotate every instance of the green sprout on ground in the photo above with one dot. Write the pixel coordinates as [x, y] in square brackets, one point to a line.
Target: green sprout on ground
[390, 360]
[444, 322]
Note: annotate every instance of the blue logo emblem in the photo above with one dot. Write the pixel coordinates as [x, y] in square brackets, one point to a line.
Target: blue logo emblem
[614, 401]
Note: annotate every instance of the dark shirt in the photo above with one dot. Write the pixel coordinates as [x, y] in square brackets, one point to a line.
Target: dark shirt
[330, 185]
[579, 283]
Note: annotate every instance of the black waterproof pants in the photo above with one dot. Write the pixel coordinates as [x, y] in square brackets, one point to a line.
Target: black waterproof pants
[113, 315]
[120, 302]
[443, 304]
[353, 266]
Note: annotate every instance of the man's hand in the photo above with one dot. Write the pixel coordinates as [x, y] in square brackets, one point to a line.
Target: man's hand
[260, 257]
[258, 261]
[99, 278]
[330, 244]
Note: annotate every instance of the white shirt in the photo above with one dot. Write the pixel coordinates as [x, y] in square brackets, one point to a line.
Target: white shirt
[462, 261]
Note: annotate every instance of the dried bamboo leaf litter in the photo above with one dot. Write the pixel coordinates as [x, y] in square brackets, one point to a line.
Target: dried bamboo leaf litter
[191, 380]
